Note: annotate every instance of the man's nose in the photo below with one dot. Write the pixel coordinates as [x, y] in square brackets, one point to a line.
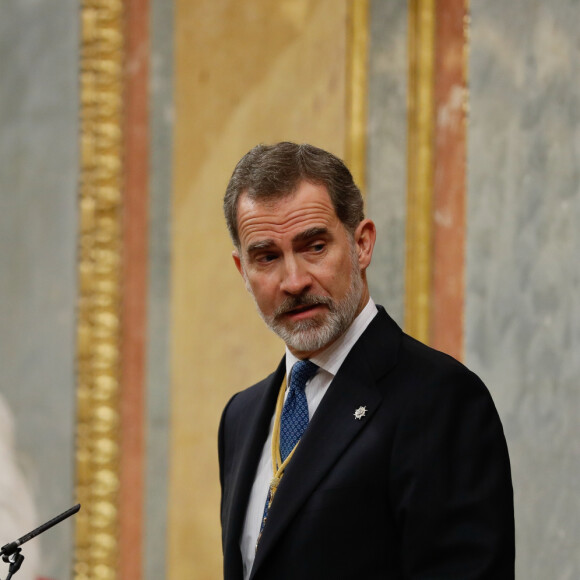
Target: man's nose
[296, 278]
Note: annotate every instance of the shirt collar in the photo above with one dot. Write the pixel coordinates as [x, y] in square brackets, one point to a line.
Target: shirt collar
[331, 358]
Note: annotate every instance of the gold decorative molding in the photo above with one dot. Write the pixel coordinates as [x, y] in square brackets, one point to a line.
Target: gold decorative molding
[420, 157]
[99, 309]
[357, 89]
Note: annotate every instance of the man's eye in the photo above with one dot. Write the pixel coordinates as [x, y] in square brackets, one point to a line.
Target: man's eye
[265, 258]
[317, 247]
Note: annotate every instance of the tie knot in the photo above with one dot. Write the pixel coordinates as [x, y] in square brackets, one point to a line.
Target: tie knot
[302, 372]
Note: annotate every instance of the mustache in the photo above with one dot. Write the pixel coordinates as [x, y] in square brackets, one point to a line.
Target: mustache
[293, 302]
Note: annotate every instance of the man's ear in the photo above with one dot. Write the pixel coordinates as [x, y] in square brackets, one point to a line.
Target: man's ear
[238, 262]
[240, 267]
[365, 236]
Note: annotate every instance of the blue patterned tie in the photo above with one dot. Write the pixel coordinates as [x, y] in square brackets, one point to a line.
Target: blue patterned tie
[294, 418]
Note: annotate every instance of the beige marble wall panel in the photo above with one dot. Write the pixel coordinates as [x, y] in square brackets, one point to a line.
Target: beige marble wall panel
[246, 72]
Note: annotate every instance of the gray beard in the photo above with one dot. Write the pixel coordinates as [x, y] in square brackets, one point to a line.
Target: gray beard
[312, 335]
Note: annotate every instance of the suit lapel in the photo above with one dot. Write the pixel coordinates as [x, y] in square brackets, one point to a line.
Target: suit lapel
[334, 425]
[258, 416]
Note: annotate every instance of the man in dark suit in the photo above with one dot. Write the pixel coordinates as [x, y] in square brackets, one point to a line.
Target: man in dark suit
[366, 454]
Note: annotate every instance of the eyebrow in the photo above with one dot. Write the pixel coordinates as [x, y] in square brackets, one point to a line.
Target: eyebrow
[301, 237]
[261, 245]
[310, 233]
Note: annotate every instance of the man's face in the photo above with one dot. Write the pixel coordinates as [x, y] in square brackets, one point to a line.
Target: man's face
[303, 268]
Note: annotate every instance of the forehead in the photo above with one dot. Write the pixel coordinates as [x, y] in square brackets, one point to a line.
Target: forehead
[308, 207]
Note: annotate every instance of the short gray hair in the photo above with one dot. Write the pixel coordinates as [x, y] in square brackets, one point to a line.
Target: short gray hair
[269, 172]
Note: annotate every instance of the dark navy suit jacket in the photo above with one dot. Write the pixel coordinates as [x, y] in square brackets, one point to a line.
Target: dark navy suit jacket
[418, 488]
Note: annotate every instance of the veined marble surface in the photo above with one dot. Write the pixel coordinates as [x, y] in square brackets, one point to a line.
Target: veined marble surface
[387, 152]
[38, 240]
[158, 387]
[523, 271]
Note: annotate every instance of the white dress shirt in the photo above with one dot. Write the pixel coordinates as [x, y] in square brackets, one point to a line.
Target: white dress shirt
[328, 361]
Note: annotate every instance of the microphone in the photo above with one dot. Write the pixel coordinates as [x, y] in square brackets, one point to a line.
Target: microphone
[12, 547]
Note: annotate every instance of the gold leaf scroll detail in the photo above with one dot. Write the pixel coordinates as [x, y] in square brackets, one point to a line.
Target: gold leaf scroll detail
[100, 244]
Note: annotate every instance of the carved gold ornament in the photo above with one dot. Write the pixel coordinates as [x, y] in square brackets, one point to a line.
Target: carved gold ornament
[98, 350]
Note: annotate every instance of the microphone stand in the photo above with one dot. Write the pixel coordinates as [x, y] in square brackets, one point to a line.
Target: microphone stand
[12, 552]
[15, 560]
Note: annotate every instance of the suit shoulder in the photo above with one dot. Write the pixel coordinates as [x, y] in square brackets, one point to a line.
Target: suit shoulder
[240, 405]
[434, 393]
[249, 398]
[432, 372]
[408, 368]
[417, 351]
[253, 392]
